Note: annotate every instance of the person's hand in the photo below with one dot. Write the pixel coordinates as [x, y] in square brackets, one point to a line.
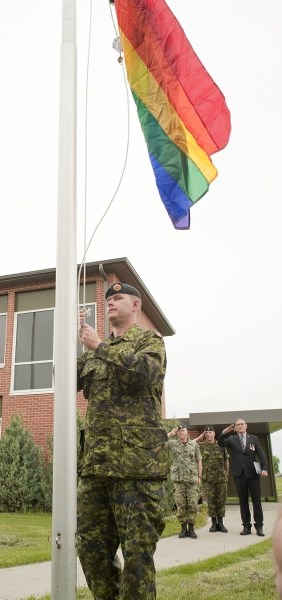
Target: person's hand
[201, 436]
[172, 432]
[264, 474]
[228, 429]
[88, 336]
[81, 318]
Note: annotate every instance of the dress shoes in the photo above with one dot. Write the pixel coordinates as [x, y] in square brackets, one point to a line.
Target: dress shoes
[260, 531]
[246, 531]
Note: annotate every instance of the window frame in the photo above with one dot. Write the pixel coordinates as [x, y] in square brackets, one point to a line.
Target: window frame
[29, 391]
[2, 364]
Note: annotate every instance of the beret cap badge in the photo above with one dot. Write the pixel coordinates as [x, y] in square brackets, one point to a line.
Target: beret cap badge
[117, 287]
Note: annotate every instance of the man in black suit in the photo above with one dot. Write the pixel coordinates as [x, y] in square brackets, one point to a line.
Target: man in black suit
[245, 449]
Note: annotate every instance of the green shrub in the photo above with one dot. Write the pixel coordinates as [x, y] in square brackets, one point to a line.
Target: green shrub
[47, 466]
[47, 475]
[20, 470]
[26, 474]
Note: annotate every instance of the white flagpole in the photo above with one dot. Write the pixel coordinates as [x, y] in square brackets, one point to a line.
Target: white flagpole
[64, 559]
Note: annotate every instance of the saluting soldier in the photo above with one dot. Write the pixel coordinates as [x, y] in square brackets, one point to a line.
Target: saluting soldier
[215, 477]
[186, 473]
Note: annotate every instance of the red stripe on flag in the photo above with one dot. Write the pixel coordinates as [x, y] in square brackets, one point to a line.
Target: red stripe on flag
[161, 43]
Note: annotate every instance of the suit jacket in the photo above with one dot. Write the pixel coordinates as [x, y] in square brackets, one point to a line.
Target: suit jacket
[244, 460]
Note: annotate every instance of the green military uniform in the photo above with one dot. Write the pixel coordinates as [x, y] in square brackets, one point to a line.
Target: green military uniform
[184, 473]
[214, 477]
[122, 464]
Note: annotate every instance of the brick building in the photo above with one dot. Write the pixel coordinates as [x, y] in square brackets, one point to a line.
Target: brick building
[27, 302]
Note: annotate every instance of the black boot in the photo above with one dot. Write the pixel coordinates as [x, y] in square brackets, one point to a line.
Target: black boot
[213, 525]
[191, 532]
[183, 532]
[220, 526]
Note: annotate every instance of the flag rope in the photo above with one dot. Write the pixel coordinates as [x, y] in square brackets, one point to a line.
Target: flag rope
[88, 244]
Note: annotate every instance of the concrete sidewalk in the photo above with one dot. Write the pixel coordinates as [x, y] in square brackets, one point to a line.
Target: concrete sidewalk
[24, 581]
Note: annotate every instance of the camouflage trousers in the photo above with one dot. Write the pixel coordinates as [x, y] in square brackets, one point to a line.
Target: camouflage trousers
[186, 497]
[216, 494]
[113, 512]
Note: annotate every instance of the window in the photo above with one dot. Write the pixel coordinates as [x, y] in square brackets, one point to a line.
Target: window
[34, 339]
[34, 350]
[3, 319]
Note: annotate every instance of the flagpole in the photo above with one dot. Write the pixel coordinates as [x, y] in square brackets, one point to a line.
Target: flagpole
[64, 559]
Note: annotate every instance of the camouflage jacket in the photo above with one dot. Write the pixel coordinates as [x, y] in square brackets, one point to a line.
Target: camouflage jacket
[213, 458]
[123, 382]
[185, 458]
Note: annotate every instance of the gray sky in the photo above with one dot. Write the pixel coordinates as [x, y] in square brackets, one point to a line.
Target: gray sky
[219, 284]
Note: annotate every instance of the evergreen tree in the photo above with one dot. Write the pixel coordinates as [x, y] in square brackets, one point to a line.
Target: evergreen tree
[47, 466]
[47, 475]
[20, 470]
[276, 464]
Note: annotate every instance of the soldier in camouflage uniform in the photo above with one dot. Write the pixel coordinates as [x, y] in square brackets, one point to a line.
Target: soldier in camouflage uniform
[186, 472]
[215, 477]
[124, 458]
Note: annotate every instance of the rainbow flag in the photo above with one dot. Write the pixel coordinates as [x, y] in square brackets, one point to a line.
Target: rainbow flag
[182, 112]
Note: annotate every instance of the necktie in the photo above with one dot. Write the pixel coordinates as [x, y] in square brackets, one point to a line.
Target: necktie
[242, 442]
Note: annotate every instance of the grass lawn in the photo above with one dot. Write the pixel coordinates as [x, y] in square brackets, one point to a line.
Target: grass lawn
[243, 575]
[279, 487]
[26, 537]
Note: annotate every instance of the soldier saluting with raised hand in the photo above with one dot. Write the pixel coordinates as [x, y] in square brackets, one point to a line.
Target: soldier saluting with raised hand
[186, 473]
[215, 476]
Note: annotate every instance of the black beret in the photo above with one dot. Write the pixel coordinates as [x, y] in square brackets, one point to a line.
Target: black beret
[122, 288]
[180, 426]
[209, 428]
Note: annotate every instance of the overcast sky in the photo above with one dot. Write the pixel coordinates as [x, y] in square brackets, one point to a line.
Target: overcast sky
[219, 284]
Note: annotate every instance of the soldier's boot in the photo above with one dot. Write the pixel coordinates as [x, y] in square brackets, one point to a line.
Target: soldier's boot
[213, 525]
[183, 532]
[220, 526]
[191, 532]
